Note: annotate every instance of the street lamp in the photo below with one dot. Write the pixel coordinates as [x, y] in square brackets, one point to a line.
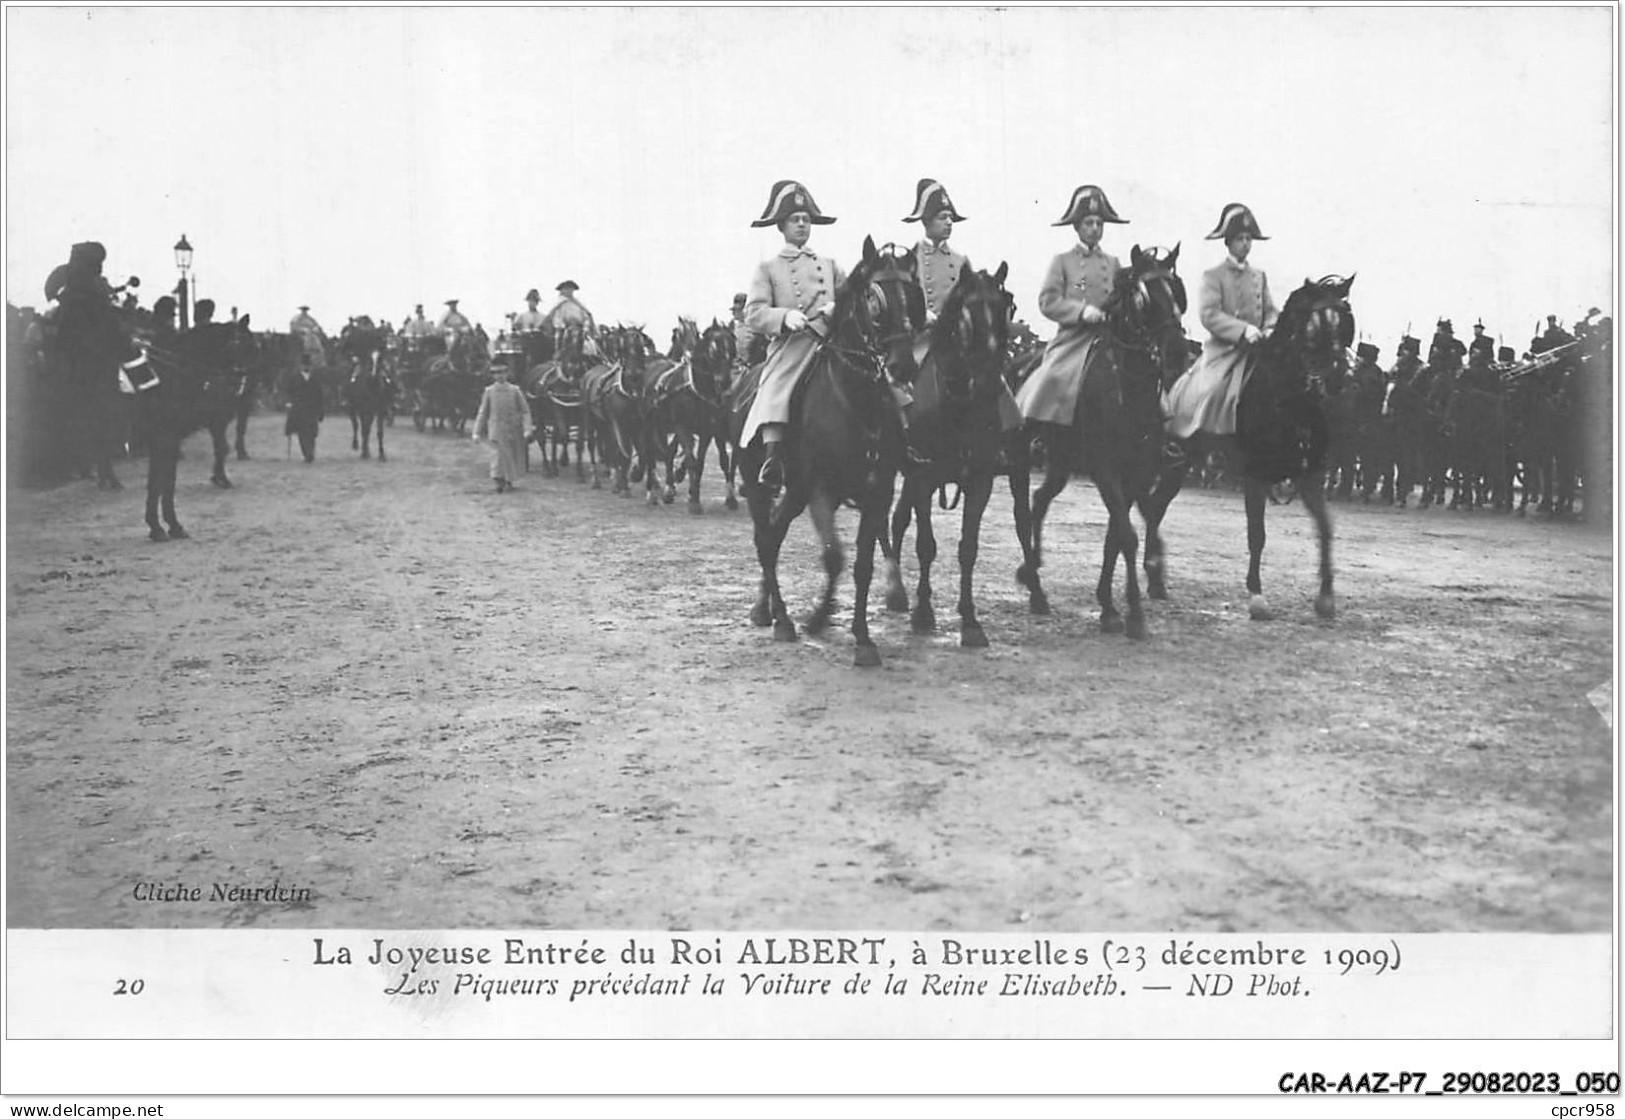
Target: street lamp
[183, 261]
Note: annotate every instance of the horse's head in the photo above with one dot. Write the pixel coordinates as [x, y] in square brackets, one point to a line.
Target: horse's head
[714, 354]
[685, 337]
[974, 327]
[1147, 309]
[635, 349]
[881, 306]
[1315, 328]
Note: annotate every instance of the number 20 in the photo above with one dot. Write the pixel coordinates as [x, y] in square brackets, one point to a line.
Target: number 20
[130, 986]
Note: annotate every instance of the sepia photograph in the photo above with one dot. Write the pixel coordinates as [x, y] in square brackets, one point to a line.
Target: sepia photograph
[979, 480]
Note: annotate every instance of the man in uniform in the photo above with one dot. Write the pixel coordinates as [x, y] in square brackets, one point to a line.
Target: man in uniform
[310, 332]
[570, 311]
[455, 328]
[1481, 342]
[416, 328]
[81, 293]
[1238, 311]
[530, 320]
[744, 336]
[790, 295]
[939, 266]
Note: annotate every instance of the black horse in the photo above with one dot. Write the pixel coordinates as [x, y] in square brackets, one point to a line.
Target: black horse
[844, 444]
[553, 386]
[217, 362]
[368, 395]
[1281, 434]
[1116, 432]
[685, 409]
[956, 438]
[613, 395]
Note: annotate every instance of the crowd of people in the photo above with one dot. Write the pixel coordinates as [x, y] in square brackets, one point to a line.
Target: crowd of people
[782, 317]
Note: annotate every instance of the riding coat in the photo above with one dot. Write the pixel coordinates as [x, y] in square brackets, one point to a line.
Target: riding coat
[1077, 278]
[795, 279]
[1234, 296]
[568, 312]
[504, 419]
[940, 269]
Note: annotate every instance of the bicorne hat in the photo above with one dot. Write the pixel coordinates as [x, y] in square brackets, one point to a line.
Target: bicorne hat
[1366, 351]
[786, 197]
[1089, 200]
[568, 286]
[930, 198]
[451, 302]
[532, 294]
[304, 306]
[1233, 219]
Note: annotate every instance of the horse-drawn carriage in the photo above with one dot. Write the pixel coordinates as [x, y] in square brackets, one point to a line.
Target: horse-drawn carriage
[442, 380]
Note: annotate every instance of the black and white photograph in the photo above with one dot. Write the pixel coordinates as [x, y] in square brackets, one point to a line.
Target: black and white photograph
[925, 488]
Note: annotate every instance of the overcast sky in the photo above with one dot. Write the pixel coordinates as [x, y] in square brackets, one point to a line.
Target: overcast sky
[362, 160]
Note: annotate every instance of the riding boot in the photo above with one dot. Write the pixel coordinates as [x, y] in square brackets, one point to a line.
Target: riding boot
[772, 475]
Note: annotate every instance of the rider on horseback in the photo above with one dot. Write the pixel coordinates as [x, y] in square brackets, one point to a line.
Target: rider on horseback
[458, 332]
[1075, 291]
[1236, 307]
[80, 292]
[790, 297]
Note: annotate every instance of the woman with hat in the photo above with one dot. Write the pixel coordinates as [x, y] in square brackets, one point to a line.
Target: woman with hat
[790, 295]
[1074, 295]
[504, 419]
[1237, 309]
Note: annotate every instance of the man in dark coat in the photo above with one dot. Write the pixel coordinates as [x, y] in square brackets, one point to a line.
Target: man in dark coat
[305, 408]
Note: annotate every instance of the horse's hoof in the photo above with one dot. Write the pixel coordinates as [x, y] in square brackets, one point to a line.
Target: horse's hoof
[176, 532]
[1156, 590]
[732, 502]
[653, 498]
[157, 536]
[366, 454]
[784, 631]
[1326, 606]
[971, 635]
[1038, 603]
[1135, 627]
[381, 457]
[242, 456]
[221, 483]
[1258, 609]
[923, 620]
[760, 615]
[696, 508]
[669, 496]
[1111, 621]
[866, 656]
[817, 622]
[897, 601]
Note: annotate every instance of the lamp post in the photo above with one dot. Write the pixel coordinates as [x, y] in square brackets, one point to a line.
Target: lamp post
[183, 261]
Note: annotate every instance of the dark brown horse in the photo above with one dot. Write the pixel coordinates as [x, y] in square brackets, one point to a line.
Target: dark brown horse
[553, 385]
[1115, 435]
[685, 409]
[956, 439]
[1281, 434]
[613, 394]
[367, 397]
[217, 363]
[844, 444]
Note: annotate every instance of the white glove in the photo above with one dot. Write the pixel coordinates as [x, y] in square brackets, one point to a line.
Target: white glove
[930, 317]
[1252, 335]
[794, 320]
[1092, 315]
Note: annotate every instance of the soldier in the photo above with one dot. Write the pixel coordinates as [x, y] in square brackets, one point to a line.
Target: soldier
[202, 314]
[530, 320]
[570, 311]
[309, 332]
[1369, 381]
[416, 328]
[1075, 291]
[744, 336]
[1238, 311]
[790, 296]
[504, 419]
[455, 328]
[1481, 342]
[1446, 352]
[940, 266]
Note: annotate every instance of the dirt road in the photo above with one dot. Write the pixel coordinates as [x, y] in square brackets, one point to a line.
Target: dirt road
[433, 706]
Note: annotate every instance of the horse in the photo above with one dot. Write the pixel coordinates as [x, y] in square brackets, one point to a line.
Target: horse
[1280, 435]
[556, 406]
[613, 394]
[1116, 431]
[367, 396]
[955, 438]
[844, 443]
[685, 409]
[217, 360]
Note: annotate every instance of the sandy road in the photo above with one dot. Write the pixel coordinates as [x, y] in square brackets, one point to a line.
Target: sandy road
[437, 707]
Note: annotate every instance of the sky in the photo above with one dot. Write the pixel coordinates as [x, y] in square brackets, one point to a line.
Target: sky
[1459, 160]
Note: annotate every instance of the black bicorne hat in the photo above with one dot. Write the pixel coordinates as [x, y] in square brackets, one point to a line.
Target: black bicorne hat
[786, 197]
[1233, 219]
[930, 198]
[1086, 200]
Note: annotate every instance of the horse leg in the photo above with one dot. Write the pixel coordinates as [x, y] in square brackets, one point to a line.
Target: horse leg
[1153, 508]
[156, 454]
[355, 433]
[1056, 473]
[244, 405]
[1256, 496]
[975, 496]
[924, 618]
[695, 452]
[1325, 602]
[902, 514]
[380, 422]
[770, 530]
[222, 447]
[727, 461]
[822, 511]
[870, 529]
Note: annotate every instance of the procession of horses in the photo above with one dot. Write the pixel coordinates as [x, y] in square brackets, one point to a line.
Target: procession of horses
[609, 402]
